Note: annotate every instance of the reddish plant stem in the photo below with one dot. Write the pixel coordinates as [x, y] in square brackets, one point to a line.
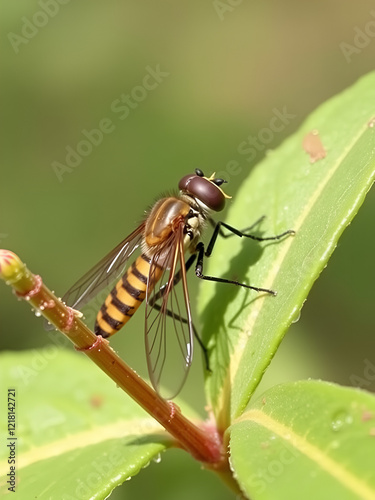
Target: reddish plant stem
[203, 444]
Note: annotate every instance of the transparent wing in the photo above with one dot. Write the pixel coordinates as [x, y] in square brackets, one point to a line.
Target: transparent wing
[105, 271]
[168, 324]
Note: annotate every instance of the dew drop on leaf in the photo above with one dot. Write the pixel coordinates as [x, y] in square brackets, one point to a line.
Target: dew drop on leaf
[340, 420]
[297, 317]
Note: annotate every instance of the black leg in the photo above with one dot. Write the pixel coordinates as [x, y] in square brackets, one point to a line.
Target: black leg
[221, 232]
[173, 315]
[176, 280]
[233, 231]
[199, 273]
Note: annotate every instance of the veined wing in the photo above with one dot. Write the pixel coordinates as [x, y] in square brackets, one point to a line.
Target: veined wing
[104, 272]
[168, 323]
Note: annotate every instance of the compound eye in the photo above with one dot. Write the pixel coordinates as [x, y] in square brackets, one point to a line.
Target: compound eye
[184, 184]
[203, 190]
[211, 196]
[199, 172]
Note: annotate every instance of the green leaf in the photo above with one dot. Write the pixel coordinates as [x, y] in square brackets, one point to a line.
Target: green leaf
[78, 436]
[318, 200]
[306, 439]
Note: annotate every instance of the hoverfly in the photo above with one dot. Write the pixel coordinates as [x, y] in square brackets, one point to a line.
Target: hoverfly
[172, 228]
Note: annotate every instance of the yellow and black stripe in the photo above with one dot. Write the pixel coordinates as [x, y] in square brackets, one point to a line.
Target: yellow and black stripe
[124, 299]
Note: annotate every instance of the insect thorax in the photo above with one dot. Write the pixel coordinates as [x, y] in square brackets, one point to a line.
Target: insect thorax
[166, 216]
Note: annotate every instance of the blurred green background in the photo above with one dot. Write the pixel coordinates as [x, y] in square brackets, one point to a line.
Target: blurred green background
[222, 67]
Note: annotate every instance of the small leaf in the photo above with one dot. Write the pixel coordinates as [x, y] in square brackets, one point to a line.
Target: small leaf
[306, 439]
[77, 434]
[318, 200]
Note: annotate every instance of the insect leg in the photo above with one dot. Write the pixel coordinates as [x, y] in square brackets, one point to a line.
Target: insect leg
[199, 271]
[221, 232]
[172, 314]
[233, 231]
[176, 279]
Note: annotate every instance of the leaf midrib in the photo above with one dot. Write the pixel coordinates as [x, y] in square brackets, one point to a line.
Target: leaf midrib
[343, 475]
[236, 358]
[95, 435]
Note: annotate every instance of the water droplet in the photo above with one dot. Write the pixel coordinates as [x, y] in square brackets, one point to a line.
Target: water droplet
[340, 420]
[297, 317]
[157, 458]
[38, 314]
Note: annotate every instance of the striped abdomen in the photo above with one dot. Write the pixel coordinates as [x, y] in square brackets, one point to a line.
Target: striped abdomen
[125, 298]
